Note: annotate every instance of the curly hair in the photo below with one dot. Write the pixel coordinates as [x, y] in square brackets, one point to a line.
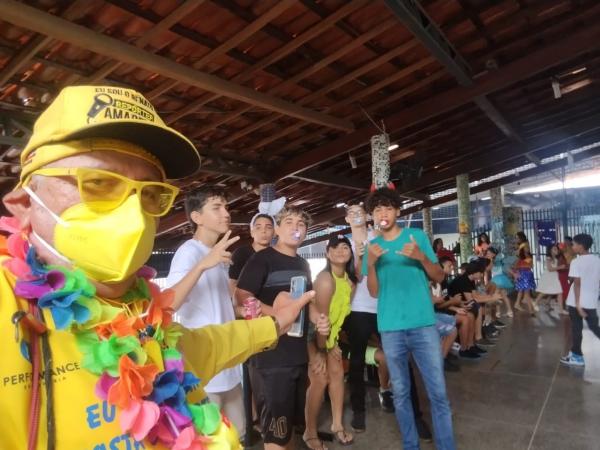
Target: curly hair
[383, 197]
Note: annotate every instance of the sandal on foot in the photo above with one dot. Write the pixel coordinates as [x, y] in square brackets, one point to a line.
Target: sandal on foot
[320, 445]
[343, 437]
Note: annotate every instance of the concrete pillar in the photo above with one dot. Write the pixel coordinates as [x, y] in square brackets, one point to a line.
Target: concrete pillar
[497, 203]
[512, 218]
[427, 223]
[380, 160]
[464, 216]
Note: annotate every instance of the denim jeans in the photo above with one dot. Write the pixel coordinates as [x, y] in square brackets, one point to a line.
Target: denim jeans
[360, 326]
[424, 346]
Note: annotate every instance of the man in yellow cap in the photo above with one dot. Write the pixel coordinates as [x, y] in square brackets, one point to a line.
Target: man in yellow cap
[90, 356]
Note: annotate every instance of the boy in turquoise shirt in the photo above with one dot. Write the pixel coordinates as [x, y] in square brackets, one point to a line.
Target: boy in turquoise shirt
[398, 265]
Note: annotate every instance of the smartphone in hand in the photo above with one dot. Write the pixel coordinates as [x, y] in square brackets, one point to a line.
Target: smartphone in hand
[297, 288]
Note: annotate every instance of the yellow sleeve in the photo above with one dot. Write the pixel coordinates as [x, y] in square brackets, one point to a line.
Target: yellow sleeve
[209, 350]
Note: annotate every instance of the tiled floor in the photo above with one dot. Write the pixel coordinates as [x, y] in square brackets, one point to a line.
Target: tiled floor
[519, 397]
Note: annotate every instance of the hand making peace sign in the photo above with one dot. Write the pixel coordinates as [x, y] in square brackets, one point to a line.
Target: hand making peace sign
[219, 253]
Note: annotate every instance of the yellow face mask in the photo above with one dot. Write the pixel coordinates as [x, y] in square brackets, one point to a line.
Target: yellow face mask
[108, 246]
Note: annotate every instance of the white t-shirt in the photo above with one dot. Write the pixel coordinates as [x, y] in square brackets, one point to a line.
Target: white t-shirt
[587, 268]
[362, 300]
[208, 303]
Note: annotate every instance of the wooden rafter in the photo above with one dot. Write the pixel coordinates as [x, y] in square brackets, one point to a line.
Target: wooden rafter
[313, 68]
[38, 42]
[222, 49]
[276, 55]
[307, 137]
[336, 84]
[28, 17]
[434, 39]
[331, 179]
[259, 124]
[535, 62]
[171, 19]
[556, 137]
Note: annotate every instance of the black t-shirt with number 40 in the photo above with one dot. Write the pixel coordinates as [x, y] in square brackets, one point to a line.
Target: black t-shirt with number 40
[266, 274]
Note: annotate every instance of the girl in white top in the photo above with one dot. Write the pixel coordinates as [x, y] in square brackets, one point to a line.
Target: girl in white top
[549, 284]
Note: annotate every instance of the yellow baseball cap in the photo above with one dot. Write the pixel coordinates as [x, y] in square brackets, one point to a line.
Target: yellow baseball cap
[109, 112]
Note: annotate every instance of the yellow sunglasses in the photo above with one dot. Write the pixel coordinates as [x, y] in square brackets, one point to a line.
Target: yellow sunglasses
[102, 190]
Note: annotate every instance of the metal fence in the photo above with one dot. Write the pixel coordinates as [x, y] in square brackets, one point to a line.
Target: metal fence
[566, 223]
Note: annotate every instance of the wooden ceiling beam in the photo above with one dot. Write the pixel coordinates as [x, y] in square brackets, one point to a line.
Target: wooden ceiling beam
[308, 52]
[38, 42]
[63, 30]
[75, 74]
[306, 137]
[313, 68]
[18, 62]
[336, 84]
[193, 35]
[473, 16]
[427, 32]
[167, 22]
[415, 19]
[222, 49]
[559, 137]
[259, 124]
[276, 55]
[535, 62]
[331, 179]
[582, 11]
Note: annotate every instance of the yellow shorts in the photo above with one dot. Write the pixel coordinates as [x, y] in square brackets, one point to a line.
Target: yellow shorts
[370, 356]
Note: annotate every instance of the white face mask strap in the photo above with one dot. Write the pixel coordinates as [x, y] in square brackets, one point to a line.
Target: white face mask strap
[39, 201]
[50, 248]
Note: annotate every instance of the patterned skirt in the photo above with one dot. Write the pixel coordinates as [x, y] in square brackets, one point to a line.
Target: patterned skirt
[525, 280]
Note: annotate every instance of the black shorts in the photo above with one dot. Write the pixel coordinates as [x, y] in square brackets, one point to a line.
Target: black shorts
[280, 395]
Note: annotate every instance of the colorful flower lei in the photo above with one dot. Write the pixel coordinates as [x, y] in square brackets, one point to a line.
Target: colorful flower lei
[135, 356]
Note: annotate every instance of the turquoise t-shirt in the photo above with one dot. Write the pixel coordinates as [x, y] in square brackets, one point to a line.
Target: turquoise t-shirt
[404, 296]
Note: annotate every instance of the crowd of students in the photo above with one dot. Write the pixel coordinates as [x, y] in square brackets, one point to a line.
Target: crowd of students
[369, 310]
[89, 337]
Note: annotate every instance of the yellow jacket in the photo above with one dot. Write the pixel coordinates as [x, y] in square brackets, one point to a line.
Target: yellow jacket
[83, 421]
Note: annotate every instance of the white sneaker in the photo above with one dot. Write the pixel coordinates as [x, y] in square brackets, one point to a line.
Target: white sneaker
[573, 360]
